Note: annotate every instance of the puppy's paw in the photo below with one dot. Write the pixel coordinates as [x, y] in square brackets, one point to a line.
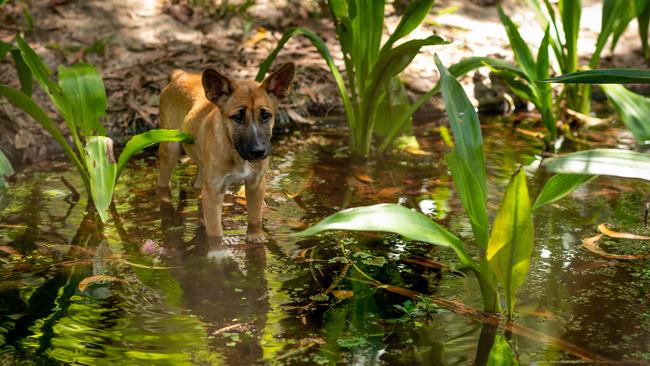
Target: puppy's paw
[255, 238]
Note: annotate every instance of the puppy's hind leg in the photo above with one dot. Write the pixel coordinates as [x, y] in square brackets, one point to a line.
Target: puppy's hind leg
[168, 155]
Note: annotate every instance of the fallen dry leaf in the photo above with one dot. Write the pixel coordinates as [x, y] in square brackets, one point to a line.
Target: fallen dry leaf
[10, 251]
[615, 234]
[388, 192]
[97, 278]
[260, 35]
[342, 294]
[298, 118]
[591, 244]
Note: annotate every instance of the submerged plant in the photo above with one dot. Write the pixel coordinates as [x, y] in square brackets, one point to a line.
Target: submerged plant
[374, 98]
[80, 98]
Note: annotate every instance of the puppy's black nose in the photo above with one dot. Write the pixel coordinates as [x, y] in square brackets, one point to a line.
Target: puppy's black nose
[258, 152]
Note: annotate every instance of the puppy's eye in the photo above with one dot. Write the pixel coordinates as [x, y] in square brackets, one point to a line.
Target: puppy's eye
[239, 117]
[266, 116]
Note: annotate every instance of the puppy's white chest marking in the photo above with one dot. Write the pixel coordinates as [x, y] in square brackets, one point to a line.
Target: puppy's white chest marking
[242, 173]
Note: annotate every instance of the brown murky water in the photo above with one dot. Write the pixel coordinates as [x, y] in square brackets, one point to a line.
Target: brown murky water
[171, 297]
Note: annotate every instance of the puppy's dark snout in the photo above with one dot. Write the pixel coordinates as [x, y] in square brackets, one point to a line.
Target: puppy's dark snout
[258, 152]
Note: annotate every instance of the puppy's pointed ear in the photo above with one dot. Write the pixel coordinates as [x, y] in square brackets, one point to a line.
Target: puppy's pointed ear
[279, 82]
[217, 87]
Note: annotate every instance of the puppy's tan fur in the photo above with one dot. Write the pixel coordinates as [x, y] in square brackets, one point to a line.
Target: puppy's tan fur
[231, 127]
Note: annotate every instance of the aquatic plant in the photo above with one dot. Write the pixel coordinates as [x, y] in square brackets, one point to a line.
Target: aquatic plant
[504, 255]
[5, 169]
[374, 100]
[505, 250]
[616, 15]
[633, 109]
[80, 98]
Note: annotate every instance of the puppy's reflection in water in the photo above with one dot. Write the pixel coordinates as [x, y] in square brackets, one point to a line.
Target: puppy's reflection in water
[222, 284]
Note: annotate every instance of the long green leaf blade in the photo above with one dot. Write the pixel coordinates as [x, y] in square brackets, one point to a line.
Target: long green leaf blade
[603, 76]
[570, 12]
[612, 162]
[559, 186]
[468, 159]
[523, 55]
[84, 90]
[394, 219]
[512, 239]
[140, 142]
[642, 9]
[102, 169]
[633, 109]
[413, 15]
[24, 73]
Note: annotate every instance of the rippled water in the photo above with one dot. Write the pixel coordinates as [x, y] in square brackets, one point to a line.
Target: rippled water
[181, 299]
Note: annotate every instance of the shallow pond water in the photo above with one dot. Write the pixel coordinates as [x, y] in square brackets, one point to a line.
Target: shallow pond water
[154, 290]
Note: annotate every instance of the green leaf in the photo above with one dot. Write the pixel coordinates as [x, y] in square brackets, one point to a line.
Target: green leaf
[559, 186]
[139, 142]
[24, 74]
[501, 353]
[512, 239]
[642, 9]
[412, 16]
[6, 169]
[393, 105]
[468, 188]
[523, 55]
[395, 219]
[25, 103]
[545, 100]
[633, 109]
[603, 76]
[84, 90]
[467, 163]
[616, 14]
[613, 162]
[570, 12]
[4, 48]
[102, 169]
[42, 75]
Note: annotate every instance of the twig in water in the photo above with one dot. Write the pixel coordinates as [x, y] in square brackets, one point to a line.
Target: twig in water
[74, 194]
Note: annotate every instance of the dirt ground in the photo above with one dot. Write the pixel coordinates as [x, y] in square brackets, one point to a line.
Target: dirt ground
[136, 44]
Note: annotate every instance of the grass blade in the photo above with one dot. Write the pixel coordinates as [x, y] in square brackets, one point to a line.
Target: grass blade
[413, 15]
[512, 239]
[633, 109]
[603, 76]
[523, 55]
[102, 169]
[140, 142]
[468, 162]
[570, 13]
[642, 8]
[559, 186]
[84, 90]
[612, 162]
[24, 73]
[394, 219]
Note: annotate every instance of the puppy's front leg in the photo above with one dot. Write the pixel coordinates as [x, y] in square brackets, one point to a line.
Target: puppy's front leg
[255, 188]
[212, 200]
